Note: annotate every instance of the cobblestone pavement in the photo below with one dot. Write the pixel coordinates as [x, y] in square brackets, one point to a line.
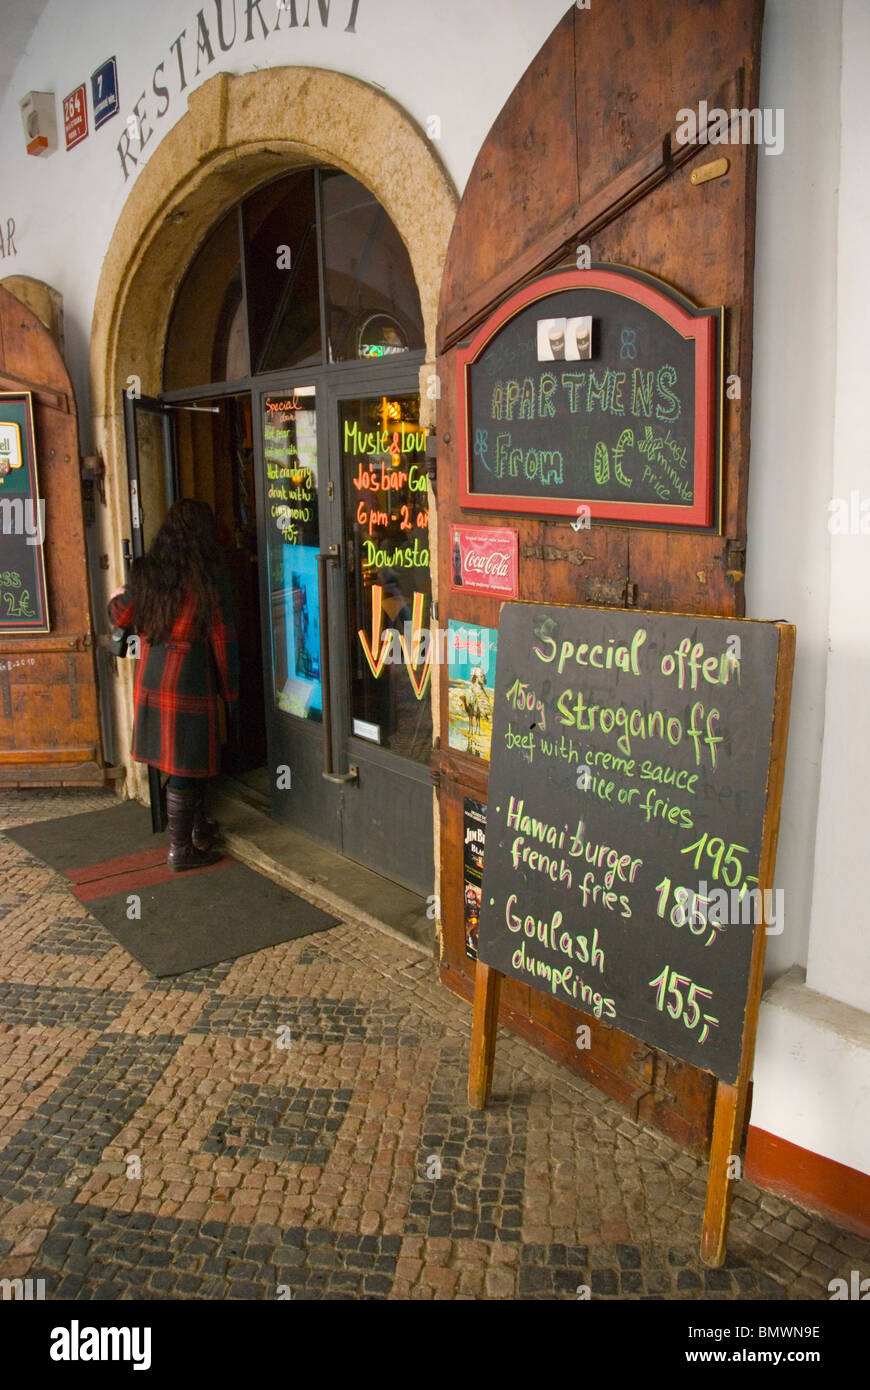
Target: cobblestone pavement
[156, 1141]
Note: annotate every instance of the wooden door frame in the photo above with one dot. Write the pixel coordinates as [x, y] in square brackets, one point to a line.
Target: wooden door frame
[68, 750]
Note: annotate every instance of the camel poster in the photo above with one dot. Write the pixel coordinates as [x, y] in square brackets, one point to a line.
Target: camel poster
[471, 653]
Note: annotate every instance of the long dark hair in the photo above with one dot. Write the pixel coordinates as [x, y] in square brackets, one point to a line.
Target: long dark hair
[184, 555]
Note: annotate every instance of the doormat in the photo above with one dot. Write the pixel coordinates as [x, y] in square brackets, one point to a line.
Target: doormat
[186, 920]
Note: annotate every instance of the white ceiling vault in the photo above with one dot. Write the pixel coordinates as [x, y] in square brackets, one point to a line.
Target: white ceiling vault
[18, 19]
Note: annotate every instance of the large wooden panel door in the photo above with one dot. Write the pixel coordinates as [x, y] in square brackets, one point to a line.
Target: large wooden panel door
[585, 154]
[49, 716]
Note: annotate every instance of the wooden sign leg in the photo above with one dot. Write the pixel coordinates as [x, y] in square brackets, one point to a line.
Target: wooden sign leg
[730, 1114]
[725, 1146]
[487, 989]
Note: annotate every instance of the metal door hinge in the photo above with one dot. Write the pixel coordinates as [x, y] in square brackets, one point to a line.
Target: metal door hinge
[573, 555]
[432, 460]
[735, 559]
[93, 471]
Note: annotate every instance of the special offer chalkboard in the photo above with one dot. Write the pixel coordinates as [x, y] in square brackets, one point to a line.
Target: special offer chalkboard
[626, 813]
[23, 599]
[596, 388]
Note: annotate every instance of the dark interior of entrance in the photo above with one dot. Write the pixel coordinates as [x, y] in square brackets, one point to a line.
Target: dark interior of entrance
[215, 456]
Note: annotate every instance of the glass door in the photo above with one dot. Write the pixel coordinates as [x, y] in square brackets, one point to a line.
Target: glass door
[152, 485]
[346, 604]
[296, 530]
[151, 467]
[386, 590]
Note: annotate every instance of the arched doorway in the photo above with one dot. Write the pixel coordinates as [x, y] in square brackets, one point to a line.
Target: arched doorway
[327, 375]
[291, 404]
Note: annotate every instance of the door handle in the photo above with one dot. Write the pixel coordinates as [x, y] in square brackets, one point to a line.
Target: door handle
[332, 556]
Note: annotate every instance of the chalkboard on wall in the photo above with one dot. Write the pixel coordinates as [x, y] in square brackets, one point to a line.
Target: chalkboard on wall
[626, 818]
[23, 599]
[594, 388]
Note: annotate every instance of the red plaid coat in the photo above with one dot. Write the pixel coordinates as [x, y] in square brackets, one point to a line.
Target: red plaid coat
[178, 684]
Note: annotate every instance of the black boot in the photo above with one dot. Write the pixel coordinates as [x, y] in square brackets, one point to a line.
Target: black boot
[206, 832]
[183, 854]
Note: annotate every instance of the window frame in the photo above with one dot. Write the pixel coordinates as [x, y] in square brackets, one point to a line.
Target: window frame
[252, 380]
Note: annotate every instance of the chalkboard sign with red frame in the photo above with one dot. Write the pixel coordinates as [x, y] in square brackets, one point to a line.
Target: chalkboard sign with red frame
[596, 389]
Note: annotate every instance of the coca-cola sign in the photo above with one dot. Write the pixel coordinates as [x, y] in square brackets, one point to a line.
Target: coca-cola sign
[483, 559]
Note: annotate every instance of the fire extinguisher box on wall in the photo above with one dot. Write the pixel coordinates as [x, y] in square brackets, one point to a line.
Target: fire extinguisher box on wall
[39, 118]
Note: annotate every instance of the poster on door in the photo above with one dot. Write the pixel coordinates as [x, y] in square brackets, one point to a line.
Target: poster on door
[471, 654]
[290, 449]
[302, 691]
[473, 845]
[483, 560]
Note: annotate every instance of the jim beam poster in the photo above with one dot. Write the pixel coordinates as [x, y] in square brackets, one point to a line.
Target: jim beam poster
[473, 844]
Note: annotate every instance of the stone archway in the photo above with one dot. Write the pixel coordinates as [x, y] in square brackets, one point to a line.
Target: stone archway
[238, 132]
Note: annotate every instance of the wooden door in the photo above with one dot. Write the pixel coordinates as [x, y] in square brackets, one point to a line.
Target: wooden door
[585, 152]
[49, 719]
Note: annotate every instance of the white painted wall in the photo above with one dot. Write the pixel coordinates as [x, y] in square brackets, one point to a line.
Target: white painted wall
[793, 370]
[812, 1074]
[839, 956]
[813, 1057]
[812, 292]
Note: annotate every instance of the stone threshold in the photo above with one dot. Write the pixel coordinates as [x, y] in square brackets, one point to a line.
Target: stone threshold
[325, 878]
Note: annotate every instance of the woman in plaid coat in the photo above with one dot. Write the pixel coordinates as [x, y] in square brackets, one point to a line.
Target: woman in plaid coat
[179, 600]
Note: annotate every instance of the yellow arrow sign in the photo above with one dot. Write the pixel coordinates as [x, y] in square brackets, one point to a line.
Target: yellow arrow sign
[419, 686]
[378, 645]
[377, 650]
